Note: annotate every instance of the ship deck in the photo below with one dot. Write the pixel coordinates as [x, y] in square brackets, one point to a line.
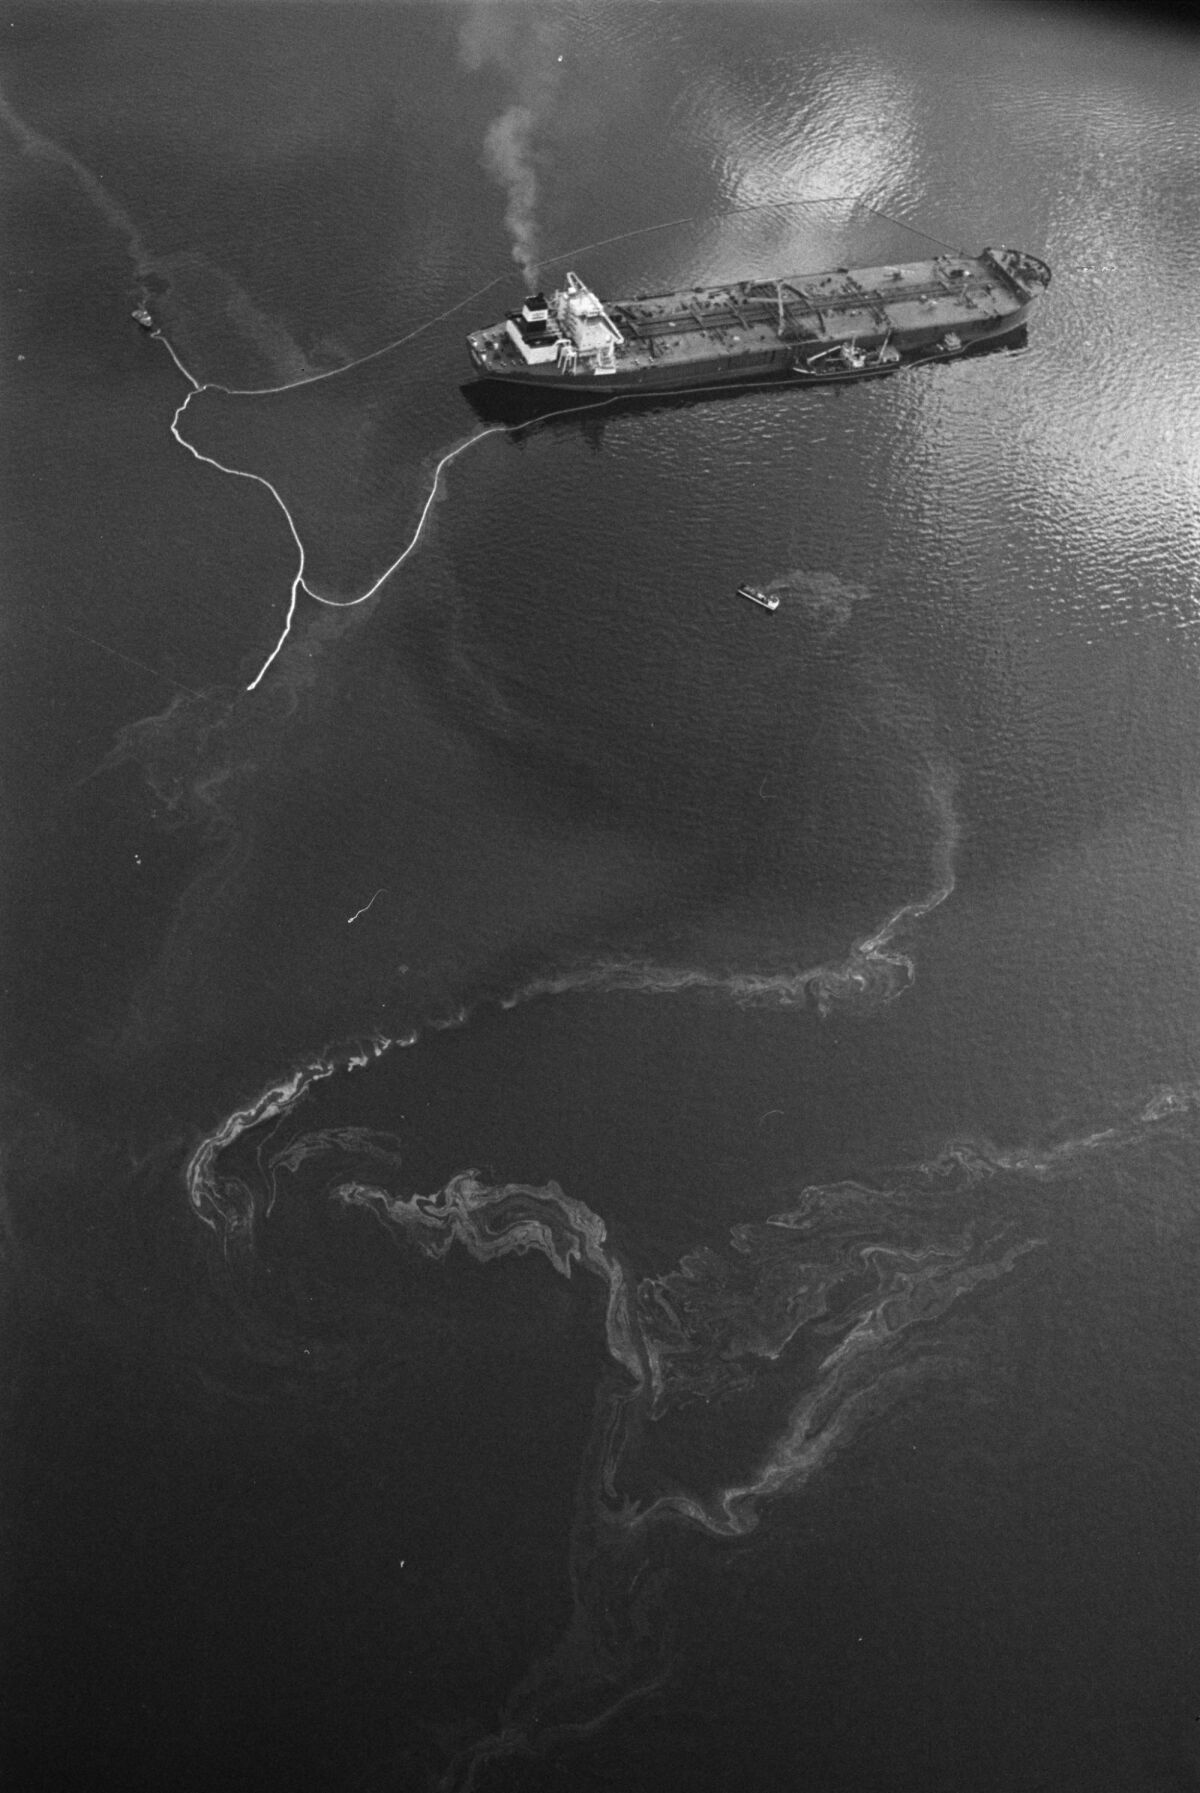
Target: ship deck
[835, 306]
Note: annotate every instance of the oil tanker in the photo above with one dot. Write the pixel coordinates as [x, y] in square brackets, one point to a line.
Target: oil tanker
[846, 323]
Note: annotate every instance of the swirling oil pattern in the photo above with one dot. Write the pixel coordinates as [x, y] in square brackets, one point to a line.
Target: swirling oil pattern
[872, 972]
[816, 1320]
[600, 1182]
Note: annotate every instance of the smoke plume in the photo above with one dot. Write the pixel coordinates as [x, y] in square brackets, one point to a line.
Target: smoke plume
[508, 157]
[524, 44]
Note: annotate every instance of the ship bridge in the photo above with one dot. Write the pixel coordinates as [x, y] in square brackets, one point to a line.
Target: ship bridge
[586, 325]
[532, 332]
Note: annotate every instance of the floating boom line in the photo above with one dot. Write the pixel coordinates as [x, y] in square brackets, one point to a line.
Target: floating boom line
[299, 582]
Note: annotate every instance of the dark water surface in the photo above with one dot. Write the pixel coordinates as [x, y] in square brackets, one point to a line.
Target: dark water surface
[602, 1187]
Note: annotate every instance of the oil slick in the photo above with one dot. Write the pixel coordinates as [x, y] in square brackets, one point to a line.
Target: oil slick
[33, 143]
[754, 1362]
[710, 1327]
[526, 49]
[809, 1325]
[874, 971]
[299, 582]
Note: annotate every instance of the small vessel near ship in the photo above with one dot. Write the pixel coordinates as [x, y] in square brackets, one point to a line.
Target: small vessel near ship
[843, 324]
[769, 600]
[847, 361]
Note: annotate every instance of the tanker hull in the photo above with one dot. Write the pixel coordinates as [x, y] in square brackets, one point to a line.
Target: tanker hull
[845, 323]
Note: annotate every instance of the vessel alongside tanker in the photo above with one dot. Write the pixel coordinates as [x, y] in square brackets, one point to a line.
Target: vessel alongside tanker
[845, 323]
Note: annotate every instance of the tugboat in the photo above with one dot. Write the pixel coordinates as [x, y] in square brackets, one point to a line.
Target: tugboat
[846, 361]
[142, 317]
[768, 600]
[845, 323]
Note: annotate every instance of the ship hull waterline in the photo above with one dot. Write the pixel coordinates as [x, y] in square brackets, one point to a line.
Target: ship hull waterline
[741, 373]
[682, 342]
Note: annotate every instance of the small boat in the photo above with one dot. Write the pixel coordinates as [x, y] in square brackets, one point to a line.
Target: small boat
[769, 600]
[846, 361]
[142, 317]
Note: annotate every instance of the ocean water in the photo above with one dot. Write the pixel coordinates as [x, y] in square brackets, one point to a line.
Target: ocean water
[601, 1186]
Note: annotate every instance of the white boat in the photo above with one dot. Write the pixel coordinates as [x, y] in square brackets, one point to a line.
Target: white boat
[768, 600]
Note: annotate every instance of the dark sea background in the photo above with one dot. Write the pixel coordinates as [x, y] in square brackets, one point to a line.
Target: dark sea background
[819, 989]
